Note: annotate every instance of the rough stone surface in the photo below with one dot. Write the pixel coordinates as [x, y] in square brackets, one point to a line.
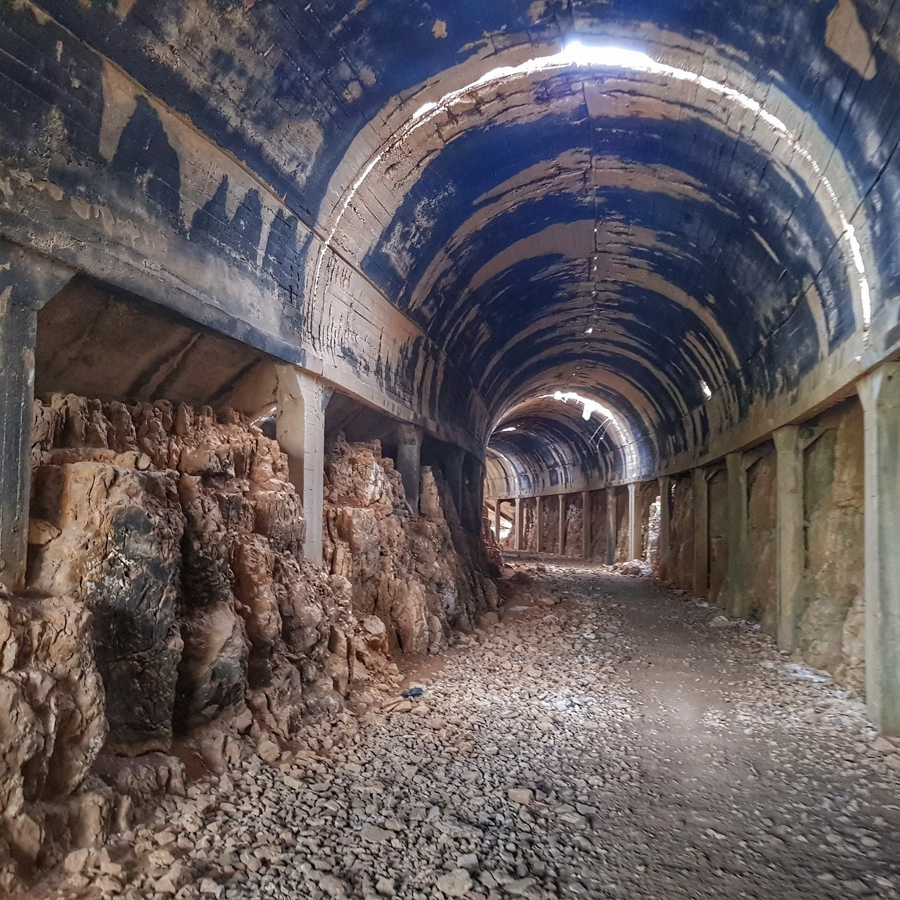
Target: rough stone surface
[662, 758]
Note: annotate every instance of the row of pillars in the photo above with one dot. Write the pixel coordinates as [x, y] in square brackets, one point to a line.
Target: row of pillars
[635, 543]
[879, 394]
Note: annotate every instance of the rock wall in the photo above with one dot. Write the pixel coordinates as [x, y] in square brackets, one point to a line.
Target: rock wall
[167, 597]
[831, 626]
[599, 525]
[573, 545]
[678, 567]
[761, 595]
[421, 577]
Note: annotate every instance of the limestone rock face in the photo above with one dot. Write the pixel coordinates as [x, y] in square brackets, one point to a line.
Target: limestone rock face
[118, 548]
[420, 577]
[51, 719]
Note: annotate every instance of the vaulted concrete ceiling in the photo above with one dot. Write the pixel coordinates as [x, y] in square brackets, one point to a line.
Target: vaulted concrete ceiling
[672, 207]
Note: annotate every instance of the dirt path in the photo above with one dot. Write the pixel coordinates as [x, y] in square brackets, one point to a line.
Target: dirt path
[622, 743]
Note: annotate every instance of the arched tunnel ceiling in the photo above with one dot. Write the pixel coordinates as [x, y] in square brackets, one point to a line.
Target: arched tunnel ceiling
[669, 206]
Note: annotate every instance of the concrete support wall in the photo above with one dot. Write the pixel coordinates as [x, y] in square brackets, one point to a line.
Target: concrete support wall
[700, 487]
[519, 526]
[27, 282]
[539, 523]
[612, 525]
[665, 520]
[880, 396]
[737, 533]
[300, 429]
[586, 525]
[789, 533]
[634, 523]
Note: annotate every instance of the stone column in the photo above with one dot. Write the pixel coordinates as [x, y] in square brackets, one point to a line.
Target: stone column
[27, 282]
[789, 541]
[634, 524]
[520, 524]
[562, 524]
[879, 392]
[737, 533]
[586, 512]
[539, 524]
[409, 465]
[665, 520]
[701, 532]
[612, 525]
[300, 429]
[497, 519]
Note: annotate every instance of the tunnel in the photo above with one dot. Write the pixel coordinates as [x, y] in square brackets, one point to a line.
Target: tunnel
[362, 361]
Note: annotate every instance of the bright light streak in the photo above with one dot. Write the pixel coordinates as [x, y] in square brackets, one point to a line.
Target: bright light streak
[581, 55]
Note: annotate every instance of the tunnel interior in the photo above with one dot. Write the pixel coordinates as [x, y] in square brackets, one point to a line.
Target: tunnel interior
[319, 320]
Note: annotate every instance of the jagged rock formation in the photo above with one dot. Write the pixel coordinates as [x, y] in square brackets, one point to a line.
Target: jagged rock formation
[167, 596]
[421, 576]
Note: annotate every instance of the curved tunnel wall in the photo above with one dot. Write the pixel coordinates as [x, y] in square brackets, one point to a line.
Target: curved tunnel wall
[455, 233]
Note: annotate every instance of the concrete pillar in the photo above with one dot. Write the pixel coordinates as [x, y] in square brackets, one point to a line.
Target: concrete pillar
[27, 282]
[879, 392]
[634, 524]
[612, 525]
[497, 519]
[789, 540]
[665, 519]
[586, 511]
[409, 465]
[520, 524]
[737, 533]
[562, 524]
[701, 532]
[300, 429]
[539, 524]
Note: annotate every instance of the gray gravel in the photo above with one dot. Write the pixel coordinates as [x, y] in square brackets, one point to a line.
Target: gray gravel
[605, 740]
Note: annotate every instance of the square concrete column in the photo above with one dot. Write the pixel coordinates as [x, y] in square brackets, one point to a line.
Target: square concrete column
[409, 455]
[562, 524]
[27, 282]
[520, 524]
[300, 429]
[612, 525]
[539, 524]
[665, 519]
[497, 519]
[879, 392]
[737, 533]
[586, 512]
[18, 334]
[634, 523]
[701, 532]
[789, 540]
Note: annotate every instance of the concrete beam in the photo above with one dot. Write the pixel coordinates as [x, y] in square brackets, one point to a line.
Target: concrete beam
[737, 533]
[562, 524]
[27, 282]
[612, 525]
[634, 523]
[300, 429]
[701, 532]
[789, 533]
[497, 519]
[586, 513]
[879, 393]
[409, 463]
[665, 519]
[539, 523]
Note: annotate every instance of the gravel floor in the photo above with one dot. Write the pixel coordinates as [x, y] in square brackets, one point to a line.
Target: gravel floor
[623, 743]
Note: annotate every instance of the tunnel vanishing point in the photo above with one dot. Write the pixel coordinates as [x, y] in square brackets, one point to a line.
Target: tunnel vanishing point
[305, 308]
